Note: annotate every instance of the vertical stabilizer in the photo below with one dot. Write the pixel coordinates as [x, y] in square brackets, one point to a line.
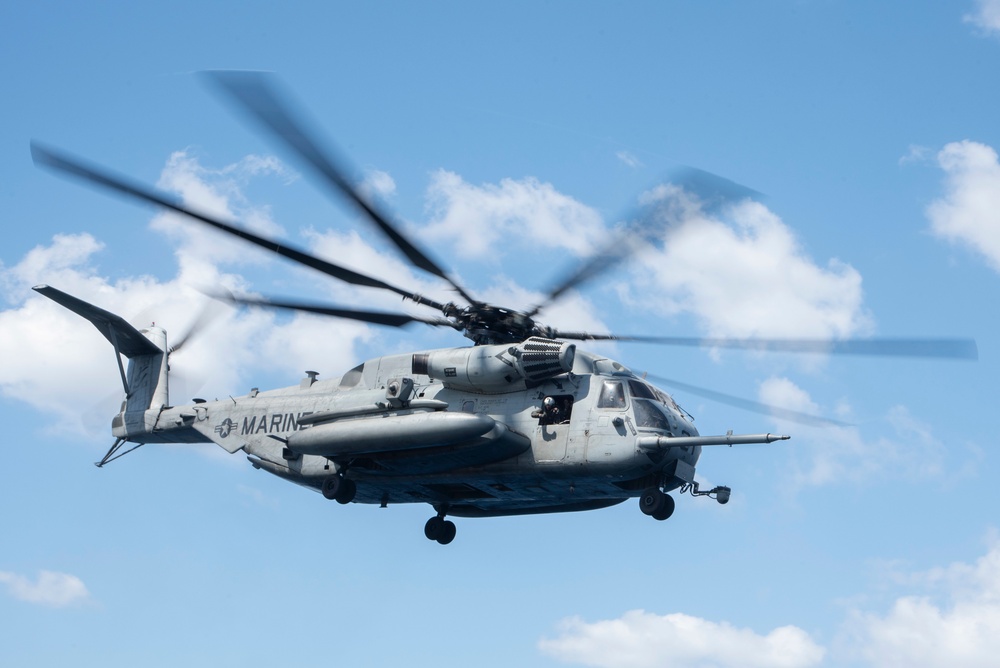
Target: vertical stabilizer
[145, 381]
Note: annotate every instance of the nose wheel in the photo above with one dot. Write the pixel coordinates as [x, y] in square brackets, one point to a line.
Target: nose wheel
[440, 529]
[656, 503]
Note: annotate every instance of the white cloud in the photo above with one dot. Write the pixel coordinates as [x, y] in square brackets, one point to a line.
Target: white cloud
[986, 17]
[486, 220]
[352, 251]
[57, 362]
[640, 639]
[56, 590]
[962, 629]
[838, 454]
[969, 212]
[217, 192]
[752, 278]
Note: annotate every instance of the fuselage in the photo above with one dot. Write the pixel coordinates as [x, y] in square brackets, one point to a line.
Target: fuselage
[475, 451]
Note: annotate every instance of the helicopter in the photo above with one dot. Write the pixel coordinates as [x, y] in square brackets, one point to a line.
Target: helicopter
[523, 421]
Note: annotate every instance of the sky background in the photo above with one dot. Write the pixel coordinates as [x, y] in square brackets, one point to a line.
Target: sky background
[510, 138]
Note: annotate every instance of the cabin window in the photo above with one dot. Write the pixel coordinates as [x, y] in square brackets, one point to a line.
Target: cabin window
[558, 411]
[612, 395]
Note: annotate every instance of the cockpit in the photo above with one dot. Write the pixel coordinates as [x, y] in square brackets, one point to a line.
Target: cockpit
[652, 409]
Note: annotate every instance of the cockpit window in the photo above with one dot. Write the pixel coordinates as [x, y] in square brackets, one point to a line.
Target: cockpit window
[648, 416]
[612, 395]
[641, 390]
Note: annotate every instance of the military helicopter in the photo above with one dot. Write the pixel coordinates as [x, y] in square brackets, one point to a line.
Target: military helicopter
[520, 422]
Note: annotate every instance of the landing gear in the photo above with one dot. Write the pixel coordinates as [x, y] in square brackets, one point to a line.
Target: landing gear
[440, 529]
[656, 503]
[340, 489]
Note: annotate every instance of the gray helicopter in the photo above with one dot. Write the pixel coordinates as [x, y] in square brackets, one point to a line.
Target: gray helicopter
[520, 422]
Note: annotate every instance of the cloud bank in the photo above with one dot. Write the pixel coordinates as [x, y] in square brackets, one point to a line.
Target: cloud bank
[955, 623]
[958, 627]
[640, 639]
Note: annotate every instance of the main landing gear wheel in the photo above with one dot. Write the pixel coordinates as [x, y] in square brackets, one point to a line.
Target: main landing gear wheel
[656, 503]
[440, 529]
[340, 489]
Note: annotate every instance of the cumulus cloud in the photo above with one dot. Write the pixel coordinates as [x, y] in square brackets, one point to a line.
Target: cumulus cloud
[218, 192]
[986, 17]
[52, 589]
[484, 220]
[969, 212]
[838, 454]
[352, 251]
[751, 276]
[956, 624]
[640, 639]
[737, 268]
[55, 361]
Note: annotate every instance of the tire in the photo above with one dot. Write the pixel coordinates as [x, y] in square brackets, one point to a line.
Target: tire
[332, 487]
[433, 528]
[652, 501]
[666, 510]
[348, 490]
[447, 533]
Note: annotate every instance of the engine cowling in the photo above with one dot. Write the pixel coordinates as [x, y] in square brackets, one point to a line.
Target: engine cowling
[498, 368]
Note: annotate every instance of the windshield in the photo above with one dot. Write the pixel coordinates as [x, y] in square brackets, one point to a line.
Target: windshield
[648, 416]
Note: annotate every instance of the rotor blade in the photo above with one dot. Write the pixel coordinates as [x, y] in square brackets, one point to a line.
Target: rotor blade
[622, 247]
[62, 162]
[747, 404]
[712, 191]
[940, 348]
[374, 317]
[208, 314]
[257, 94]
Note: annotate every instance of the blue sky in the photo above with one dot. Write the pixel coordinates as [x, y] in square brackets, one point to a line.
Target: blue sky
[509, 138]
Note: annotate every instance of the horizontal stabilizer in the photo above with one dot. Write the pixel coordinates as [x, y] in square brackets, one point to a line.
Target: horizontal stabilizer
[124, 337]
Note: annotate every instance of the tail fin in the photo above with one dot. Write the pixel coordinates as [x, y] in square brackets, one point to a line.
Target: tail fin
[145, 383]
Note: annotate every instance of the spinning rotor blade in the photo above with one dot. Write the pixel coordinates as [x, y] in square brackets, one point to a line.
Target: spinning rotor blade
[941, 348]
[209, 313]
[747, 404]
[62, 162]
[622, 247]
[257, 95]
[712, 192]
[374, 317]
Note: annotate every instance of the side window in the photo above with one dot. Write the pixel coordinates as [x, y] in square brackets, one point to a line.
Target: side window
[556, 409]
[612, 395]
